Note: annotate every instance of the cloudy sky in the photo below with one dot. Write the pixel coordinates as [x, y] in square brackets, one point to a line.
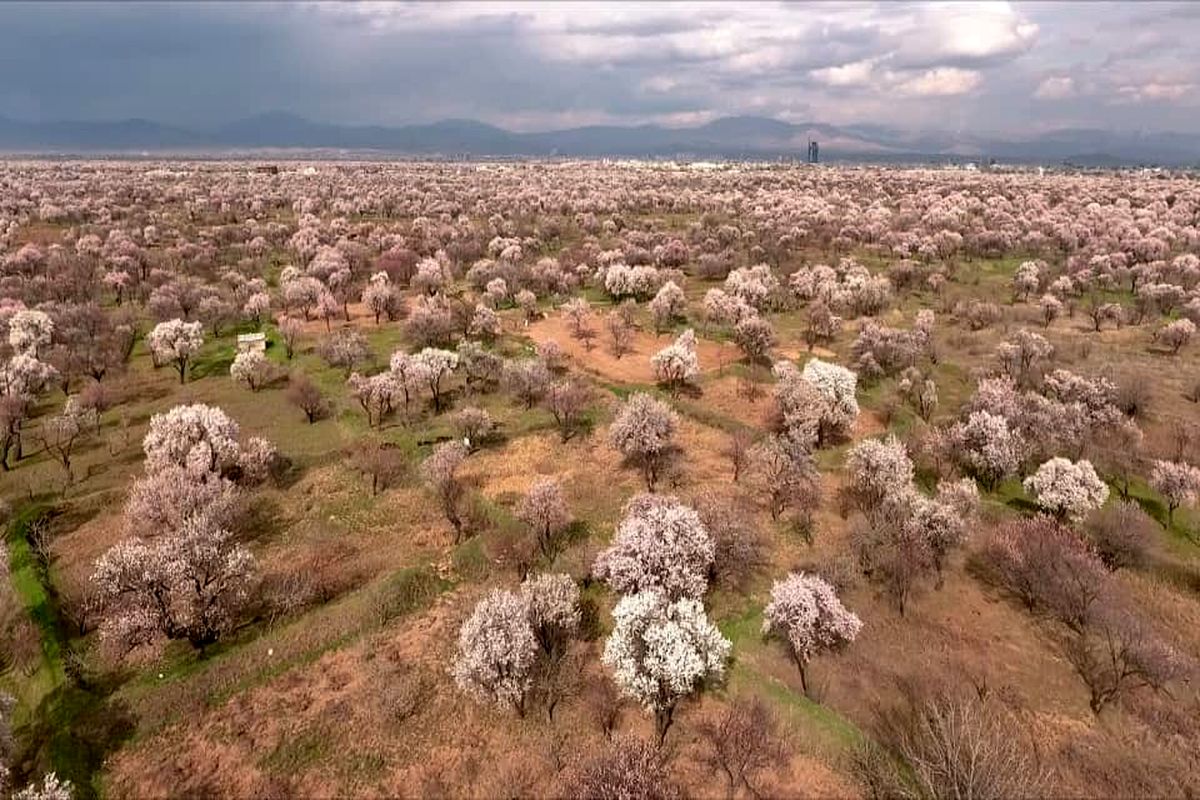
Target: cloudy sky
[991, 67]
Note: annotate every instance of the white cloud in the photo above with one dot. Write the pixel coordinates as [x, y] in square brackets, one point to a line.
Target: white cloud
[941, 82]
[1155, 91]
[967, 34]
[856, 73]
[660, 84]
[1056, 87]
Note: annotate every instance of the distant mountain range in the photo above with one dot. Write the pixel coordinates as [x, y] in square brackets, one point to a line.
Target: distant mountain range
[729, 137]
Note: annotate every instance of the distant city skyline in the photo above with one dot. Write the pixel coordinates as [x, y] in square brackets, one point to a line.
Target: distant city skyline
[988, 68]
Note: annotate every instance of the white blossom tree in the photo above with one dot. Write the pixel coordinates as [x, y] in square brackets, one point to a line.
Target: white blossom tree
[163, 500]
[806, 613]
[252, 368]
[485, 323]
[722, 308]
[986, 447]
[817, 404]
[52, 788]
[30, 332]
[176, 342]
[660, 545]
[1067, 489]
[667, 306]
[878, 468]
[496, 651]
[1174, 335]
[661, 651]
[197, 437]
[376, 394]
[755, 335]
[257, 306]
[644, 432]
[1177, 482]
[381, 298]
[838, 386]
[22, 379]
[552, 603]
[676, 364]
[474, 426]
[756, 285]
[434, 366]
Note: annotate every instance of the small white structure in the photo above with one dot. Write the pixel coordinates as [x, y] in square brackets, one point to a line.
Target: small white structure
[248, 342]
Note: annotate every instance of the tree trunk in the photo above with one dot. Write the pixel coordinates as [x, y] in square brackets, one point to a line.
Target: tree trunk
[662, 722]
[803, 675]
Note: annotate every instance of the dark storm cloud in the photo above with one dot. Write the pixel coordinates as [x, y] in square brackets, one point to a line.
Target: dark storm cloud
[987, 67]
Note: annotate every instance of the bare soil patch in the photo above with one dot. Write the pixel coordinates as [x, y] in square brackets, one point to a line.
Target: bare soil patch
[632, 367]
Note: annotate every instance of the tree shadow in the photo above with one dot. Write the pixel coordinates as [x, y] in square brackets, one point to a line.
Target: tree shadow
[1023, 504]
[261, 522]
[217, 364]
[73, 731]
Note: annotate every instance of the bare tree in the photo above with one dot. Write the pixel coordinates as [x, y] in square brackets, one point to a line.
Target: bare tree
[528, 379]
[1123, 535]
[1117, 652]
[960, 747]
[737, 450]
[345, 348]
[740, 548]
[604, 704]
[383, 462]
[61, 433]
[784, 475]
[626, 768]
[741, 742]
[620, 333]
[290, 329]
[892, 551]
[303, 393]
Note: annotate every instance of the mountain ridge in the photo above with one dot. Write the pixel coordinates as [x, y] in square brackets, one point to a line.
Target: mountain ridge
[725, 137]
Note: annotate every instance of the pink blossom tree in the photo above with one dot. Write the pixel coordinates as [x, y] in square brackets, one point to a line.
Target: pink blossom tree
[188, 584]
[806, 613]
[544, 509]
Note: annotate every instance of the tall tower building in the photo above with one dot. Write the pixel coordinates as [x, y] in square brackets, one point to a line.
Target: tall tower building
[813, 152]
